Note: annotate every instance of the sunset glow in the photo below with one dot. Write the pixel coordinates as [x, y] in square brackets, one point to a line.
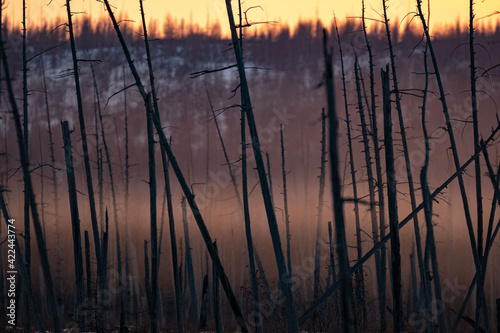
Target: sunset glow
[206, 12]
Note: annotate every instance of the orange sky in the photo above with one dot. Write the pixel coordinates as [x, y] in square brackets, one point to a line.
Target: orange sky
[201, 11]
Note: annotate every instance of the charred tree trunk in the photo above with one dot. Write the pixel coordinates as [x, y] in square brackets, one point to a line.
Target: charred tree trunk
[322, 178]
[393, 207]
[153, 310]
[27, 232]
[88, 172]
[285, 203]
[427, 200]
[284, 279]
[75, 223]
[56, 195]
[338, 204]
[381, 268]
[115, 207]
[402, 128]
[376, 248]
[185, 188]
[42, 249]
[449, 128]
[248, 230]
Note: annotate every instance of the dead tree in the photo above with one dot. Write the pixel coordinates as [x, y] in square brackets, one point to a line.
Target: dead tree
[427, 200]
[381, 267]
[284, 279]
[27, 232]
[384, 240]
[393, 207]
[42, 249]
[88, 171]
[338, 204]
[322, 178]
[371, 184]
[402, 128]
[55, 193]
[114, 202]
[285, 203]
[180, 177]
[449, 129]
[75, 224]
[248, 230]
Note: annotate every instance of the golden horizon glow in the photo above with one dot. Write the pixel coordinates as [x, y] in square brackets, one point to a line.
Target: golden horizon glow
[206, 12]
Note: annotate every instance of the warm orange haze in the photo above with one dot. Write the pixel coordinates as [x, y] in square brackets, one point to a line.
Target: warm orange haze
[192, 171]
[203, 12]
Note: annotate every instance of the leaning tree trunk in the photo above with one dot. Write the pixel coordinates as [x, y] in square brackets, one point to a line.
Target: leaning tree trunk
[338, 204]
[381, 268]
[75, 223]
[285, 196]
[182, 181]
[42, 249]
[284, 279]
[322, 176]
[393, 207]
[88, 171]
[323, 298]
[406, 155]
[27, 233]
[426, 195]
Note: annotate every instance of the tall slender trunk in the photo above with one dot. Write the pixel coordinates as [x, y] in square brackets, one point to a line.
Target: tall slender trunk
[284, 279]
[88, 172]
[257, 315]
[393, 207]
[402, 128]
[338, 204]
[153, 310]
[128, 236]
[56, 195]
[115, 206]
[381, 268]
[371, 186]
[173, 244]
[182, 181]
[449, 128]
[477, 167]
[42, 249]
[285, 203]
[75, 223]
[322, 177]
[427, 200]
[27, 233]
